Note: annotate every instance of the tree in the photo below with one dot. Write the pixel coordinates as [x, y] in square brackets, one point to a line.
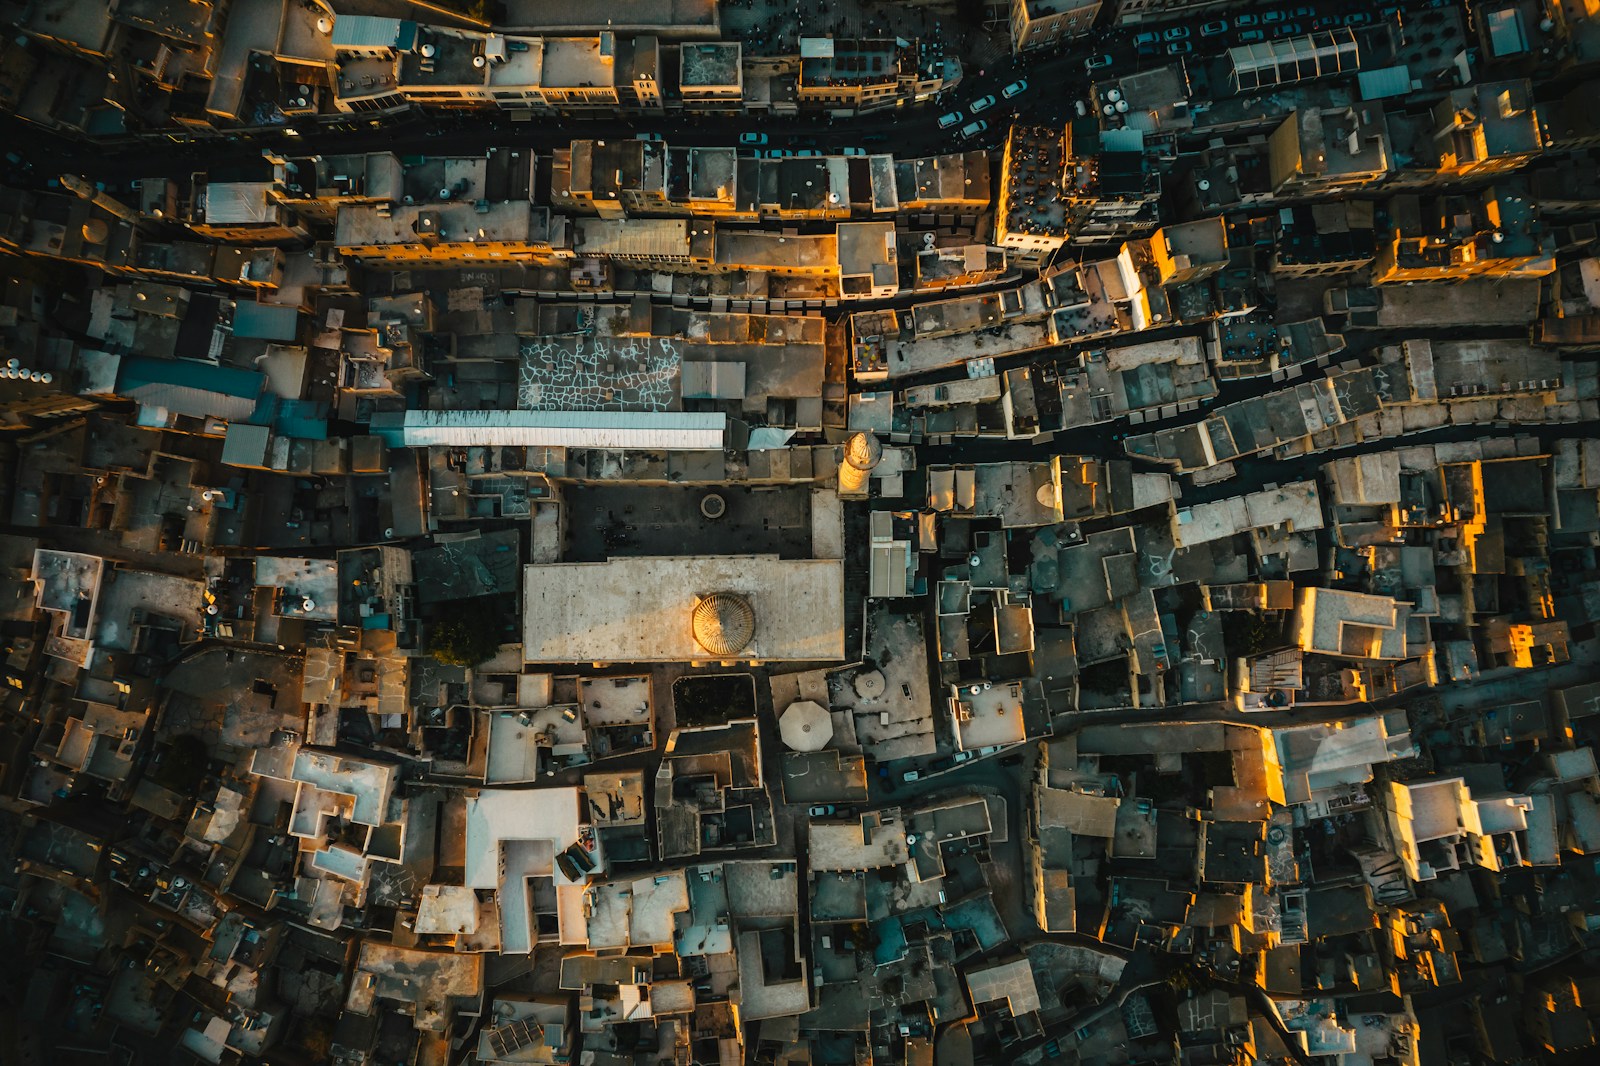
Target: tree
[465, 634]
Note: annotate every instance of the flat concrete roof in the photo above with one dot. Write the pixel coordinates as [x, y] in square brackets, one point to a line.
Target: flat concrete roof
[639, 609]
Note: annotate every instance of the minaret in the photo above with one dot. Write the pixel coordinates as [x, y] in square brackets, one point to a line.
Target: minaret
[85, 190]
[862, 452]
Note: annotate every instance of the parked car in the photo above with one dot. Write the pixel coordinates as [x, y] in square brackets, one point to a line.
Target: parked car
[953, 118]
[972, 129]
[1175, 33]
[960, 757]
[1251, 37]
[1269, 17]
[1097, 62]
[647, 136]
[1244, 20]
[982, 103]
[1016, 88]
[853, 151]
[823, 810]
[1287, 29]
[911, 775]
[1147, 40]
[1179, 48]
[752, 138]
[1303, 13]
[1358, 18]
[1214, 29]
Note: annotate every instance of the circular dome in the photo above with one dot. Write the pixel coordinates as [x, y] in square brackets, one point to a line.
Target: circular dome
[806, 726]
[869, 684]
[863, 451]
[723, 623]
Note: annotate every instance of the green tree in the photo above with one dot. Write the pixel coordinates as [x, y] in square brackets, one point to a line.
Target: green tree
[465, 634]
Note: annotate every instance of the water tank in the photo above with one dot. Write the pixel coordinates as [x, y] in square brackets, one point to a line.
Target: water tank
[429, 51]
[1122, 107]
[324, 25]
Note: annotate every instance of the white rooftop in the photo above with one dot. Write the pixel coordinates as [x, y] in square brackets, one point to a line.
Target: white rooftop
[639, 609]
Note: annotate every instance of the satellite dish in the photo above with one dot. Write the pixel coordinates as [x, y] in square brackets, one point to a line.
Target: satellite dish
[324, 25]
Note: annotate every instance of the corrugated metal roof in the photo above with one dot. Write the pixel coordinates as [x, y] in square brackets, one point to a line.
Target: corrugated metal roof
[235, 202]
[373, 31]
[190, 387]
[1506, 35]
[265, 321]
[1385, 82]
[666, 430]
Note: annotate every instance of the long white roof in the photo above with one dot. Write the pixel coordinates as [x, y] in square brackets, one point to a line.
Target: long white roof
[666, 430]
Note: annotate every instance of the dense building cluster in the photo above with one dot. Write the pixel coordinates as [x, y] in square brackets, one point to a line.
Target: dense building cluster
[628, 538]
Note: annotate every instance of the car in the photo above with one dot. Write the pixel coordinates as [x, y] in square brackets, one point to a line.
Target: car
[1269, 17]
[952, 119]
[1099, 62]
[647, 136]
[1179, 48]
[960, 757]
[852, 151]
[972, 129]
[1147, 40]
[1214, 29]
[1247, 19]
[911, 775]
[1175, 33]
[1286, 29]
[752, 138]
[1303, 13]
[1016, 88]
[1251, 37]
[1358, 18]
[823, 810]
[982, 103]
[807, 152]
